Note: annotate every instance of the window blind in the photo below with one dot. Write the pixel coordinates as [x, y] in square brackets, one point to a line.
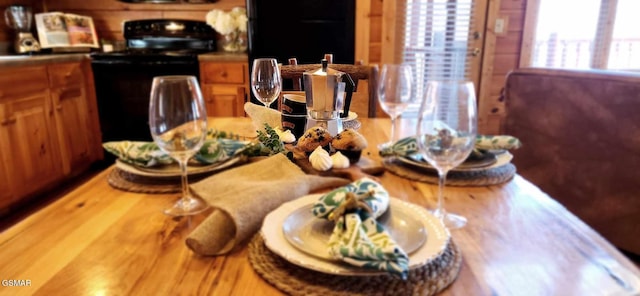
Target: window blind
[435, 41]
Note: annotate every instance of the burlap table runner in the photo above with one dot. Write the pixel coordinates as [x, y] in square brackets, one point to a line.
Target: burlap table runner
[243, 196]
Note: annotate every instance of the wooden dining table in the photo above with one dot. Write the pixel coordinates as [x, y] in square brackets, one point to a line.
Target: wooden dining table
[98, 240]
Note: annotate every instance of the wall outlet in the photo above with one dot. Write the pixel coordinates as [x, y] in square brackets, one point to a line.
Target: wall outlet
[500, 26]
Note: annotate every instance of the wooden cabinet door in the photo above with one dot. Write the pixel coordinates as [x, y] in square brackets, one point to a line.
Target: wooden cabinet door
[224, 100]
[28, 140]
[6, 192]
[74, 127]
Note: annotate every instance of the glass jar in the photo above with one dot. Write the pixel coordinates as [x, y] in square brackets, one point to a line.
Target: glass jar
[235, 41]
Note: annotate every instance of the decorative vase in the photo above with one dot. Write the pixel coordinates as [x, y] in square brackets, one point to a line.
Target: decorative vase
[235, 41]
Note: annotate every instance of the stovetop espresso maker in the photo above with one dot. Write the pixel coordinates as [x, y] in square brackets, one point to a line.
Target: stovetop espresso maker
[328, 94]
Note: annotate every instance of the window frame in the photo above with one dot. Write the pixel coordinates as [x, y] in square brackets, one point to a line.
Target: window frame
[602, 40]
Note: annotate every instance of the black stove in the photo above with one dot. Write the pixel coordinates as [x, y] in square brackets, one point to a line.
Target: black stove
[154, 47]
[162, 39]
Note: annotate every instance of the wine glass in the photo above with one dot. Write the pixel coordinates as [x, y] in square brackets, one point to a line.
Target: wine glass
[178, 124]
[446, 133]
[394, 93]
[266, 82]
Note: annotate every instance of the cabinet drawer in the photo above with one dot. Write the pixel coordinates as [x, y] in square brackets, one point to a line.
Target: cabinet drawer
[223, 73]
[22, 80]
[65, 74]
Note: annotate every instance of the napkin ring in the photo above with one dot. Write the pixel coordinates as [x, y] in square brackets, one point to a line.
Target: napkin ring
[352, 202]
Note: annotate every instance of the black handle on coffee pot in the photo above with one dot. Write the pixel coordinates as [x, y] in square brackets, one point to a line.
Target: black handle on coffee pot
[348, 89]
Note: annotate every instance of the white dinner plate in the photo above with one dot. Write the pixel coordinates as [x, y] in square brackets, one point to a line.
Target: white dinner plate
[310, 234]
[173, 170]
[274, 237]
[500, 159]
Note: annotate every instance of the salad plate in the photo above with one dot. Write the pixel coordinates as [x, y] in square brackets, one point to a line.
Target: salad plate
[310, 234]
[272, 230]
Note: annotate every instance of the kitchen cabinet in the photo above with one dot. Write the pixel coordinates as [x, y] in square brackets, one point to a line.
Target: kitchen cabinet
[28, 134]
[73, 116]
[225, 87]
[49, 127]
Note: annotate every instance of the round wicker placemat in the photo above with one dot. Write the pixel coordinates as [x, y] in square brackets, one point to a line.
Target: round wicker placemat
[491, 176]
[126, 181]
[294, 280]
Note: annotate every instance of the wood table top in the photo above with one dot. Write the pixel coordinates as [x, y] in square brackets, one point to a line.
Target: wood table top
[97, 240]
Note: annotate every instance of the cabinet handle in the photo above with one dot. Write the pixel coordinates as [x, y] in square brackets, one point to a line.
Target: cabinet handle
[8, 121]
[224, 74]
[59, 107]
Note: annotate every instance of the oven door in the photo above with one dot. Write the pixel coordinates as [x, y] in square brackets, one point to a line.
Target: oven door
[122, 90]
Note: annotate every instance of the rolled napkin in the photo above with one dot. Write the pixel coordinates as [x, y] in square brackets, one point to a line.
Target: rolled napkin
[408, 145]
[260, 115]
[489, 142]
[357, 238]
[148, 154]
[243, 196]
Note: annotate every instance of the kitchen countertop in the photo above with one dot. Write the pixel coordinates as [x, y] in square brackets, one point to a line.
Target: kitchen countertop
[27, 60]
[224, 57]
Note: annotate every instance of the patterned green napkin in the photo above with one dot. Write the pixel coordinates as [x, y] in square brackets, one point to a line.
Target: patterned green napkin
[408, 146]
[357, 238]
[148, 154]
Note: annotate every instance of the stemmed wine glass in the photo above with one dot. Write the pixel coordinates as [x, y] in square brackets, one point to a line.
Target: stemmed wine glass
[394, 93]
[266, 82]
[178, 124]
[446, 133]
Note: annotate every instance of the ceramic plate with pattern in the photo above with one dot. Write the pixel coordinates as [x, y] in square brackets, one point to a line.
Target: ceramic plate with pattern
[311, 234]
[437, 237]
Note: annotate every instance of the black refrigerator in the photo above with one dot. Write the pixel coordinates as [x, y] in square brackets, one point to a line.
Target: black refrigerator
[304, 29]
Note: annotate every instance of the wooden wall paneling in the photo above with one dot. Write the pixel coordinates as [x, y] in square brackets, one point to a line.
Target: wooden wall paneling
[109, 23]
[108, 15]
[504, 63]
[388, 44]
[487, 68]
[513, 4]
[362, 31]
[509, 43]
[375, 32]
[528, 33]
[185, 15]
[506, 58]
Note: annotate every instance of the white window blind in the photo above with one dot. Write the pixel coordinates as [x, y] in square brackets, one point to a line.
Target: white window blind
[583, 34]
[436, 36]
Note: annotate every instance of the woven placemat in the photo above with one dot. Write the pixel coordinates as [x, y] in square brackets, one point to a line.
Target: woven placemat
[126, 181]
[294, 280]
[491, 176]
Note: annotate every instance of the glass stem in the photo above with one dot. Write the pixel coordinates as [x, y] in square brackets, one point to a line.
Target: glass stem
[186, 197]
[440, 211]
[393, 129]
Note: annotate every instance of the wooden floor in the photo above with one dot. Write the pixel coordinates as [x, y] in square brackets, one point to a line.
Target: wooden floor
[32, 204]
